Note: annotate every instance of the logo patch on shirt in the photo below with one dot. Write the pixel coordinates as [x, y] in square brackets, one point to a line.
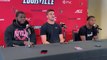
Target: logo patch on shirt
[89, 35]
[20, 34]
[56, 27]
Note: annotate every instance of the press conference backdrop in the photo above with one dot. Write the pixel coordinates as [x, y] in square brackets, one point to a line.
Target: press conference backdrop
[72, 12]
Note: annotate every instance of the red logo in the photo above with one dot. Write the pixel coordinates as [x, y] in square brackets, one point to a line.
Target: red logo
[20, 34]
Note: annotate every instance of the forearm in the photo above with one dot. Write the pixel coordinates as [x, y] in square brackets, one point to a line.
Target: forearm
[20, 43]
[83, 38]
[61, 38]
[11, 43]
[44, 39]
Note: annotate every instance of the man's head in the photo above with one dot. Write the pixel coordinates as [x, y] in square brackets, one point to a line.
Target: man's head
[50, 15]
[91, 20]
[20, 17]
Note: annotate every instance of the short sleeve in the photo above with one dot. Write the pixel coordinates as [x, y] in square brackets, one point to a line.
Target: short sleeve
[82, 31]
[43, 30]
[60, 30]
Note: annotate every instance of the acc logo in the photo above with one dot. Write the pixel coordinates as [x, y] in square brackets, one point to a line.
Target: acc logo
[79, 11]
[44, 2]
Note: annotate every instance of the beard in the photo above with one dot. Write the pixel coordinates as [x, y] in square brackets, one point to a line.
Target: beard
[21, 24]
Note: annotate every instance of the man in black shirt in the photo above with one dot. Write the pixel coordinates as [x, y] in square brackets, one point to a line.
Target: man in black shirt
[88, 32]
[50, 31]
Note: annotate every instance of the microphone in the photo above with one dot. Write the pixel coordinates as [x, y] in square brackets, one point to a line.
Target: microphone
[28, 29]
[63, 25]
[97, 27]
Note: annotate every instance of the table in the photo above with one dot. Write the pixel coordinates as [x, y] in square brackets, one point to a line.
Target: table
[91, 50]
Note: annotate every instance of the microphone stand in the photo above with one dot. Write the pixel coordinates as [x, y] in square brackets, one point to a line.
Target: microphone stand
[29, 32]
[64, 31]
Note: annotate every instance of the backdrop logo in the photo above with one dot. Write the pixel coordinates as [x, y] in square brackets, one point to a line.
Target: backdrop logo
[74, 18]
[2, 19]
[4, 0]
[79, 11]
[67, 2]
[44, 2]
[38, 10]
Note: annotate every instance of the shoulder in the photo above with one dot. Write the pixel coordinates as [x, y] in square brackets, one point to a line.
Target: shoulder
[83, 28]
[10, 27]
[44, 26]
